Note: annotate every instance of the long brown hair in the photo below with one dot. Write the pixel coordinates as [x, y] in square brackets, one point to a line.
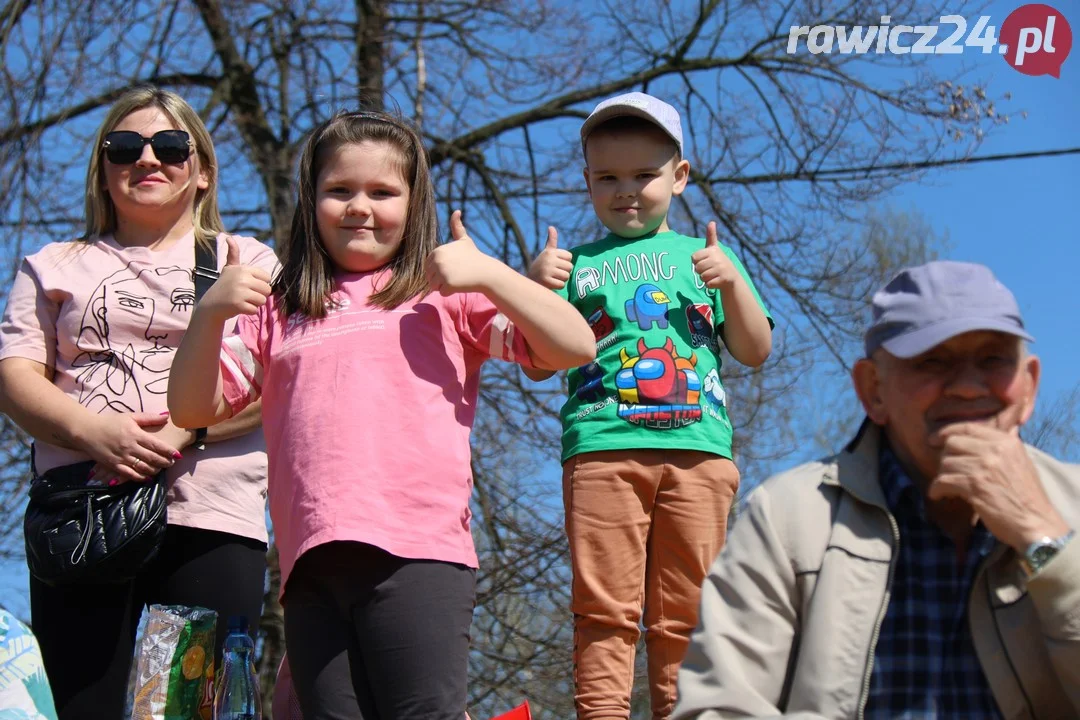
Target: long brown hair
[306, 281]
[100, 211]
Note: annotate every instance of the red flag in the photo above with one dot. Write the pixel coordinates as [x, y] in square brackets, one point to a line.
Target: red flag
[521, 712]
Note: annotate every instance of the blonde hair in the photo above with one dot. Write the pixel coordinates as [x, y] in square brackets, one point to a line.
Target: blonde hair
[306, 281]
[100, 211]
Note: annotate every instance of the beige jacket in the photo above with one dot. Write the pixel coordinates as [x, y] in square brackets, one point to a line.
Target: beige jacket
[791, 610]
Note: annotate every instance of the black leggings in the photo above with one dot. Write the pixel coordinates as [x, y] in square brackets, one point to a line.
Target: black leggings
[371, 636]
[87, 632]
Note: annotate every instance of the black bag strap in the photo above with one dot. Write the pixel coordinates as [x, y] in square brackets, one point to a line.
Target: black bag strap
[206, 271]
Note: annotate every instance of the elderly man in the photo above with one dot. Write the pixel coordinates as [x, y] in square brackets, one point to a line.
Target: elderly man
[927, 571]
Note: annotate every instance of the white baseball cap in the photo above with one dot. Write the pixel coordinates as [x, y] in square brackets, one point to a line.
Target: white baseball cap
[639, 105]
[926, 305]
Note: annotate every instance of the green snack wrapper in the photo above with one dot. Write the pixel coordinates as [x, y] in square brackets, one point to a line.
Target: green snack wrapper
[175, 664]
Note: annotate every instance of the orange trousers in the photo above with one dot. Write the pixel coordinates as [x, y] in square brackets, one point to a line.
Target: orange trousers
[644, 526]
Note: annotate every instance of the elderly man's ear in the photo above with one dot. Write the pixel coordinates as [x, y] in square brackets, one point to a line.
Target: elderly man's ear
[866, 378]
[1033, 371]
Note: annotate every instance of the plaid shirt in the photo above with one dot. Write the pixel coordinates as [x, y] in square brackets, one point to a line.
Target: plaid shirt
[925, 664]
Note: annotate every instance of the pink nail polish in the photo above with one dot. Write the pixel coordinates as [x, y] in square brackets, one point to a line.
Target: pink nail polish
[114, 482]
[91, 474]
[164, 413]
[177, 456]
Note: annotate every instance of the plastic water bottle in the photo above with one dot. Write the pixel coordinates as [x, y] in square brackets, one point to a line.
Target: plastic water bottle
[237, 694]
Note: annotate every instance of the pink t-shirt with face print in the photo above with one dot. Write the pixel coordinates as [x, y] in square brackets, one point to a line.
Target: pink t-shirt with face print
[367, 414]
[108, 319]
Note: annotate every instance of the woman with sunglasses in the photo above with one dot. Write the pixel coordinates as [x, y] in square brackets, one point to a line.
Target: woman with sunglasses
[86, 345]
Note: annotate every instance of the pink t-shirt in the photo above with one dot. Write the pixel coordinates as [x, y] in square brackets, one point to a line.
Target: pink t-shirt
[108, 319]
[367, 414]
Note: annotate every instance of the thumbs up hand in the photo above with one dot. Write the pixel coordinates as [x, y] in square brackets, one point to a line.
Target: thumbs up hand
[233, 255]
[714, 267]
[552, 267]
[239, 289]
[457, 266]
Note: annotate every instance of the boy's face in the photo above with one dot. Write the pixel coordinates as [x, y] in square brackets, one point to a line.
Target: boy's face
[632, 176]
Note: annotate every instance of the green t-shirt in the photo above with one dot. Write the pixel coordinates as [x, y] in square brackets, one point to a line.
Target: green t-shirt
[656, 379]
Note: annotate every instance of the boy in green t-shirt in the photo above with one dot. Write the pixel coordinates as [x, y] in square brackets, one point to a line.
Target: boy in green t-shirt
[647, 473]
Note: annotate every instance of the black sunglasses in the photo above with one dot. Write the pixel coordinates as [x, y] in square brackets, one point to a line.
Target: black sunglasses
[124, 147]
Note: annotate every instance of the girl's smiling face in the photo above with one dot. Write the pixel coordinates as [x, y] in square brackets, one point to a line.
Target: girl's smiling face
[361, 203]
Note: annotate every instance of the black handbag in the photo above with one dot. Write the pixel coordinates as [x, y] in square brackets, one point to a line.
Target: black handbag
[81, 533]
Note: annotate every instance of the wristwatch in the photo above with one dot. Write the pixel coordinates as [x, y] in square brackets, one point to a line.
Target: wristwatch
[1041, 552]
[200, 439]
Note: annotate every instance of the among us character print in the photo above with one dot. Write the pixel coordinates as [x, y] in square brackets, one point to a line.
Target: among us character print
[657, 388]
[603, 328]
[648, 307]
[129, 333]
[699, 321]
[587, 280]
[712, 390]
[591, 388]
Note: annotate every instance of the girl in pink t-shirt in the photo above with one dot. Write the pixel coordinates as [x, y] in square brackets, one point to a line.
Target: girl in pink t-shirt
[366, 353]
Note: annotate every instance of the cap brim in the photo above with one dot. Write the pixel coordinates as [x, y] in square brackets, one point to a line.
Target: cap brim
[614, 111]
[919, 341]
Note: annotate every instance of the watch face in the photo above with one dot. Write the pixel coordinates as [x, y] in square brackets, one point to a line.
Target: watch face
[1042, 555]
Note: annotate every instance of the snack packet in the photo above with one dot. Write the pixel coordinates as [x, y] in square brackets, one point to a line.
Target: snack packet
[175, 664]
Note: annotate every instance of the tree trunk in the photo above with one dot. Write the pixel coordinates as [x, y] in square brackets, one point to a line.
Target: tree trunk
[370, 52]
[272, 630]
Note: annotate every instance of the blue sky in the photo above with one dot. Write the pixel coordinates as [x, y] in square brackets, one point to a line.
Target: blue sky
[1022, 217]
